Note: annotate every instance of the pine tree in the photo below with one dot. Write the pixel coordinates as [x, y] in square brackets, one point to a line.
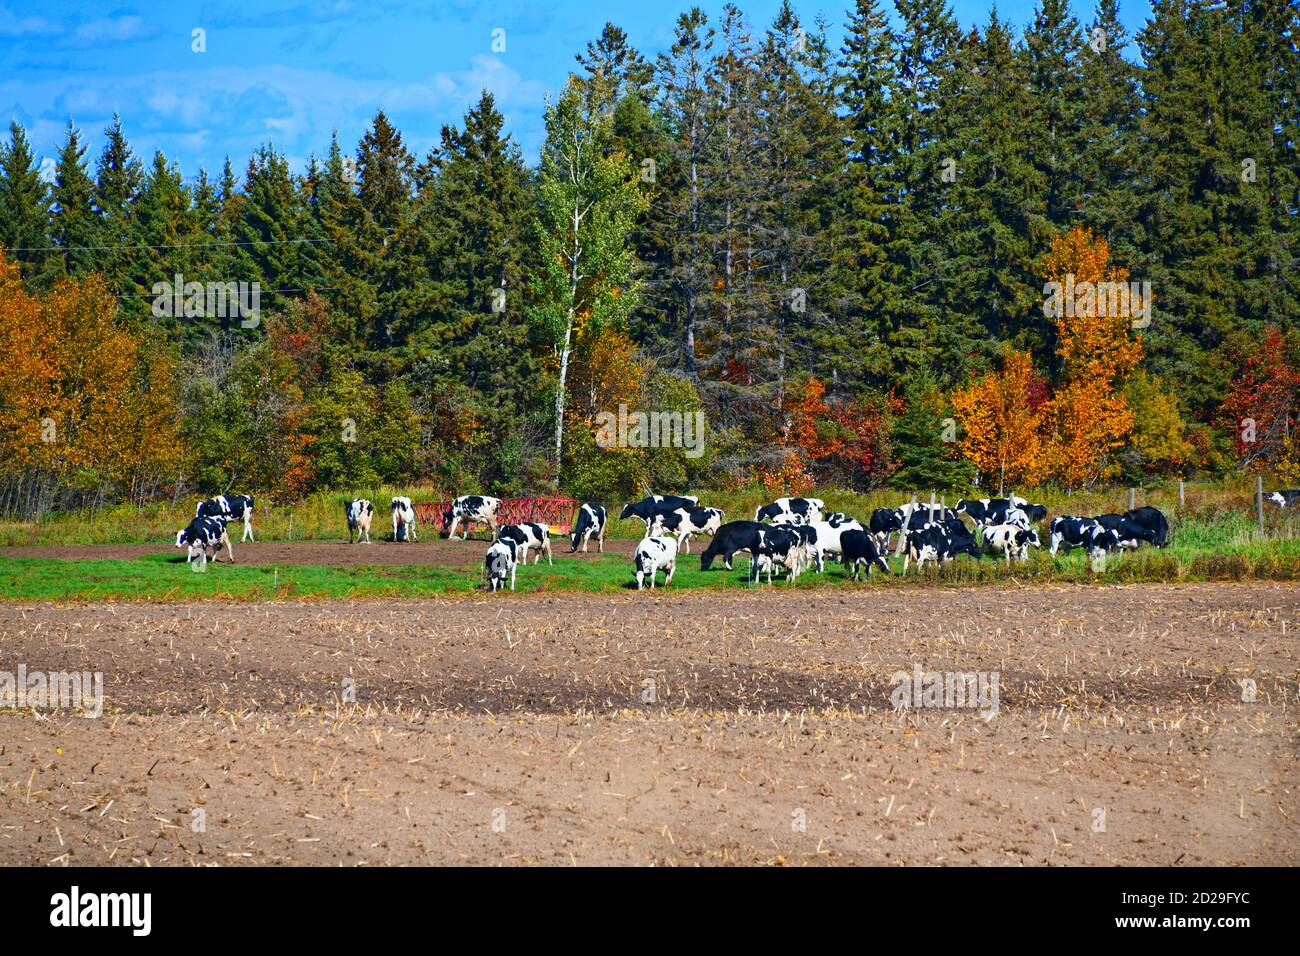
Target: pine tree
[24, 208]
[73, 224]
[118, 179]
[1051, 54]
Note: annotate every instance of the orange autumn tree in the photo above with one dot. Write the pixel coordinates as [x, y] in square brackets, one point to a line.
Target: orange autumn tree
[1001, 415]
[1089, 417]
[86, 414]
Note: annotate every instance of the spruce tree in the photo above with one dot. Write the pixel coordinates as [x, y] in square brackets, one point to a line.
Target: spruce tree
[73, 224]
[24, 208]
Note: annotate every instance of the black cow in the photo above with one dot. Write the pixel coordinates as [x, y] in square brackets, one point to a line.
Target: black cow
[858, 550]
[1153, 520]
[1128, 532]
[647, 509]
[884, 522]
[232, 508]
[732, 537]
[591, 520]
[991, 511]
[791, 511]
[1285, 498]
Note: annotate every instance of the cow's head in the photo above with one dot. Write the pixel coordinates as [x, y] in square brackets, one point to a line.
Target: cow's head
[627, 512]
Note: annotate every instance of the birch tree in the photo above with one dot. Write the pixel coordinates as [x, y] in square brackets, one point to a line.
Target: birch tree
[588, 201]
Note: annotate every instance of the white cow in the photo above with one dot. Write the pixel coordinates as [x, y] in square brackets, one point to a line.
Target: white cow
[404, 517]
[359, 513]
[654, 554]
[501, 563]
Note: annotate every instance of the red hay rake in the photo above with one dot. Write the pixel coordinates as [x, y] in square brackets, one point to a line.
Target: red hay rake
[555, 512]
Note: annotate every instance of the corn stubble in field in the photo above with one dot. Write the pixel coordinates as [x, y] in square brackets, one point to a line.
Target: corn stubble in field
[596, 729]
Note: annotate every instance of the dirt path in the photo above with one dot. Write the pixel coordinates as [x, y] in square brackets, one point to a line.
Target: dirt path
[691, 728]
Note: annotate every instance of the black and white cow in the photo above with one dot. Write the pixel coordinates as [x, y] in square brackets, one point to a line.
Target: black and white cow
[471, 508]
[884, 522]
[359, 513]
[203, 535]
[858, 551]
[1011, 539]
[1153, 520]
[1128, 533]
[732, 537]
[647, 509]
[232, 508]
[990, 511]
[685, 522]
[791, 511]
[785, 545]
[1071, 532]
[655, 553]
[823, 537]
[1285, 498]
[591, 521]
[403, 519]
[939, 541]
[501, 562]
[527, 536]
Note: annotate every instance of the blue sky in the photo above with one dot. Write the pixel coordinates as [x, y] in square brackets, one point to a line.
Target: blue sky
[290, 72]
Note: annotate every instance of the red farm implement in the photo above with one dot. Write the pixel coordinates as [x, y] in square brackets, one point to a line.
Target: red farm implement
[555, 512]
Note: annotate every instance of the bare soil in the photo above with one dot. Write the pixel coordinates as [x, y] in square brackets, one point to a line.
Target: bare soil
[693, 728]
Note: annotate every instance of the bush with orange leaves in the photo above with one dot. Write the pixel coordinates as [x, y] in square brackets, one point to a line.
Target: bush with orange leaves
[1001, 417]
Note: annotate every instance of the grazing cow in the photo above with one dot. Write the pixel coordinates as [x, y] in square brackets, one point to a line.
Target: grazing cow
[858, 550]
[1129, 533]
[527, 536]
[791, 511]
[203, 535]
[685, 522]
[1153, 520]
[359, 513]
[1070, 532]
[786, 545]
[471, 508]
[232, 508]
[915, 519]
[591, 520]
[939, 541]
[884, 522]
[1285, 498]
[732, 537]
[648, 508]
[1009, 538]
[655, 553]
[403, 520]
[1036, 513]
[501, 561]
[823, 537]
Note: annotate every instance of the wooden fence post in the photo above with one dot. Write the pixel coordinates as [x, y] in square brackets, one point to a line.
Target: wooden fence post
[290, 525]
[1259, 503]
[902, 535]
[1132, 498]
[1182, 498]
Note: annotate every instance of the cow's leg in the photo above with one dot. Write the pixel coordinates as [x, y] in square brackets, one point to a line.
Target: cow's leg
[455, 522]
[225, 538]
[671, 568]
[410, 530]
[600, 541]
[546, 543]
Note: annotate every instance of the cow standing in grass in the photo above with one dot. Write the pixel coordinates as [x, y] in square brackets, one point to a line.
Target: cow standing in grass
[359, 513]
[527, 536]
[685, 522]
[203, 535]
[403, 519]
[501, 563]
[655, 554]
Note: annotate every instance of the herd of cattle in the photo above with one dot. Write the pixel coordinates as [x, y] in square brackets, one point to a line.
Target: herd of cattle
[787, 536]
